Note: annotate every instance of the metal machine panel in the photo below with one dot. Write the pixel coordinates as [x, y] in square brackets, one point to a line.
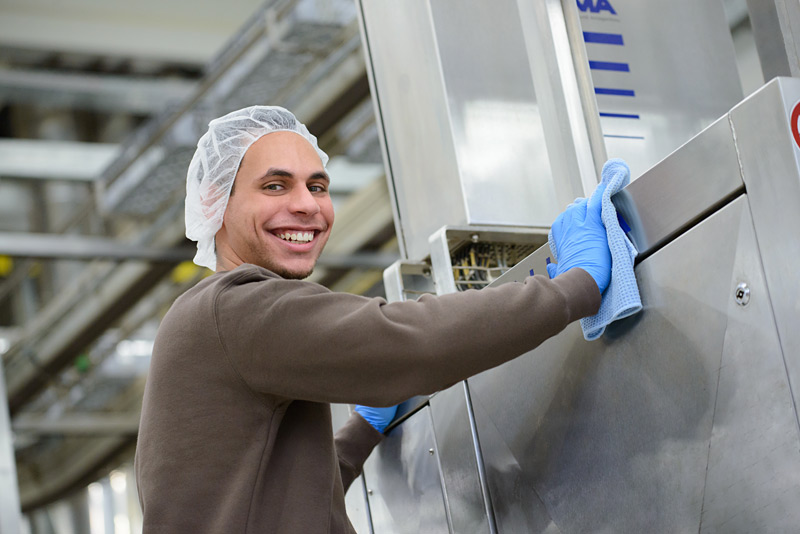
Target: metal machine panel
[648, 429]
[411, 106]
[403, 481]
[766, 129]
[662, 71]
[458, 109]
[496, 124]
[468, 506]
[692, 182]
[356, 497]
[753, 461]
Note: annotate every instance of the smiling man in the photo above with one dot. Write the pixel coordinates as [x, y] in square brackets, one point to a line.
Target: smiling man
[279, 219]
[235, 434]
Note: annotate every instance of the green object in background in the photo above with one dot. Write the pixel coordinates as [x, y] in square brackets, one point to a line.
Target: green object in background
[82, 363]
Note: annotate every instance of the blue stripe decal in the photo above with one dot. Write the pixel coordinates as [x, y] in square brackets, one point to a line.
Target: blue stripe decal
[619, 115]
[622, 223]
[609, 65]
[624, 136]
[603, 38]
[617, 92]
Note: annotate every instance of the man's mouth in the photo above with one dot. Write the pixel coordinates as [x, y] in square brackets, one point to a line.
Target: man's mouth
[296, 237]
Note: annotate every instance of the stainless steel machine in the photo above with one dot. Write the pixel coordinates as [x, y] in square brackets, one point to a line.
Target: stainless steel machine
[680, 418]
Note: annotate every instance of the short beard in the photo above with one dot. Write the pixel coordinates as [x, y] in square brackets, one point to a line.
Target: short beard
[288, 275]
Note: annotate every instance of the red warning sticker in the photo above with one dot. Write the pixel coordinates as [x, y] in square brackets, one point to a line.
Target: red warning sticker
[795, 117]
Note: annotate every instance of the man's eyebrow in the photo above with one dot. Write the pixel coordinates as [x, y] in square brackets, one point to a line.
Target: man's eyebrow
[273, 171]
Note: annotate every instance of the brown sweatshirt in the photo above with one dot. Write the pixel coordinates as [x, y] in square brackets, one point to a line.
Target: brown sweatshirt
[236, 433]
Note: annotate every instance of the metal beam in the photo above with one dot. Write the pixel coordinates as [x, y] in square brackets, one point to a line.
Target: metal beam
[54, 160]
[107, 93]
[776, 27]
[358, 260]
[9, 495]
[78, 425]
[75, 247]
[177, 31]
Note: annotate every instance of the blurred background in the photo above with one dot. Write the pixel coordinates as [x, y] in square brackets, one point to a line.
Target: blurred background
[101, 105]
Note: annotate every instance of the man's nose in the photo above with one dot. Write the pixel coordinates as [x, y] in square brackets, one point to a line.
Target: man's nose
[303, 201]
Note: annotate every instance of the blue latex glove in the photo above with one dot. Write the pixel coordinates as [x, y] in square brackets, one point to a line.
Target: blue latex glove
[379, 418]
[581, 240]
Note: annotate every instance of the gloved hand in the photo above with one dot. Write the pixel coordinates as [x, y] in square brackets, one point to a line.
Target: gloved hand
[379, 418]
[581, 240]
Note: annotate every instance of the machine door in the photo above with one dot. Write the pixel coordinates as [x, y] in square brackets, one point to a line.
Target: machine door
[403, 480]
[679, 419]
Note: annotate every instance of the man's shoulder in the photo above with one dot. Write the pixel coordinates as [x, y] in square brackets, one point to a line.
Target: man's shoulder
[246, 279]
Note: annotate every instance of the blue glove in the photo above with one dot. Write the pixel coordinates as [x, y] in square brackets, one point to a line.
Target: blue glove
[379, 418]
[581, 240]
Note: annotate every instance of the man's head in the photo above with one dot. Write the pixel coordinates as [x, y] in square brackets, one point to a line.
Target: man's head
[280, 198]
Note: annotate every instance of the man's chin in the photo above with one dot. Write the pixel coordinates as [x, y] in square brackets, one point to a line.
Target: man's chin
[288, 272]
[293, 275]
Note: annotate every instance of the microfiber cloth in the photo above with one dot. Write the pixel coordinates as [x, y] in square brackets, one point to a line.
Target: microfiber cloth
[621, 298]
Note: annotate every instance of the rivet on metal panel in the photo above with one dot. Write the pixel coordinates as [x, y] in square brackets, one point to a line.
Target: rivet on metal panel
[475, 238]
[369, 492]
[742, 294]
[430, 451]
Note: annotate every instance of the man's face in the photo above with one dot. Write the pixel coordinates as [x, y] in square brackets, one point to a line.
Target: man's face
[280, 213]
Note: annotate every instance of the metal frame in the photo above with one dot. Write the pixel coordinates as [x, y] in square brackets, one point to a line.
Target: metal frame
[9, 494]
[448, 239]
[775, 24]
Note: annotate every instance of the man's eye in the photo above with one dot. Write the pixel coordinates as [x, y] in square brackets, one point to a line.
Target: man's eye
[273, 187]
[317, 188]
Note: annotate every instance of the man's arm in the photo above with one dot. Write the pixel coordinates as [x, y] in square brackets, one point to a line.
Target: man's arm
[299, 340]
[354, 443]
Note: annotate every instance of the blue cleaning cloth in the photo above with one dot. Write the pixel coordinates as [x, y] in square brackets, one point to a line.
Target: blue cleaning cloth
[621, 298]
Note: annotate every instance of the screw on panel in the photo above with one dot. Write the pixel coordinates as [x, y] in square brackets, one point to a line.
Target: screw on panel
[369, 492]
[430, 451]
[742, 294]
[475, 238]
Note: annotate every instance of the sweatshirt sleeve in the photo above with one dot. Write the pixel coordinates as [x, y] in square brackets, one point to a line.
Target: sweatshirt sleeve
[299, 340]
[354, 443]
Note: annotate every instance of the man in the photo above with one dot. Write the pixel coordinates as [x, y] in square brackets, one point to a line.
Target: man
[236, 432]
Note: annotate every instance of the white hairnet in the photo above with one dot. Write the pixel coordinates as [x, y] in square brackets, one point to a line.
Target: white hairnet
[215, 163]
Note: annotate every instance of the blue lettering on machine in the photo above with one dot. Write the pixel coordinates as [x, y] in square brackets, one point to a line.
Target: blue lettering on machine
[596, 6]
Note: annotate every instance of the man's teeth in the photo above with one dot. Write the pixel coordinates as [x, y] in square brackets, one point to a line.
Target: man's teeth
[299, 237]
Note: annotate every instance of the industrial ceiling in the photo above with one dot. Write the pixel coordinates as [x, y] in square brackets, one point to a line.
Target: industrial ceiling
[101, 105]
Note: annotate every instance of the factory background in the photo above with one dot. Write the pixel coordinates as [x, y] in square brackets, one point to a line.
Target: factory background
[101, 105]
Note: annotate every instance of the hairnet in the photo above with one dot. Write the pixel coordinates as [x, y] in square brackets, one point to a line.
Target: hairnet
[215, 163]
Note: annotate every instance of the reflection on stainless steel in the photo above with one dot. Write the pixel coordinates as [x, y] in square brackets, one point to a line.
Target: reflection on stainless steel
[692, 182]
[679, 419]
[655, 82]
[570, 122]
[461, 126]
[481, 130]
[776, 25]
[466, 502]
[356, 498]
[403, 483]
[620, 433]
[769, 152]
